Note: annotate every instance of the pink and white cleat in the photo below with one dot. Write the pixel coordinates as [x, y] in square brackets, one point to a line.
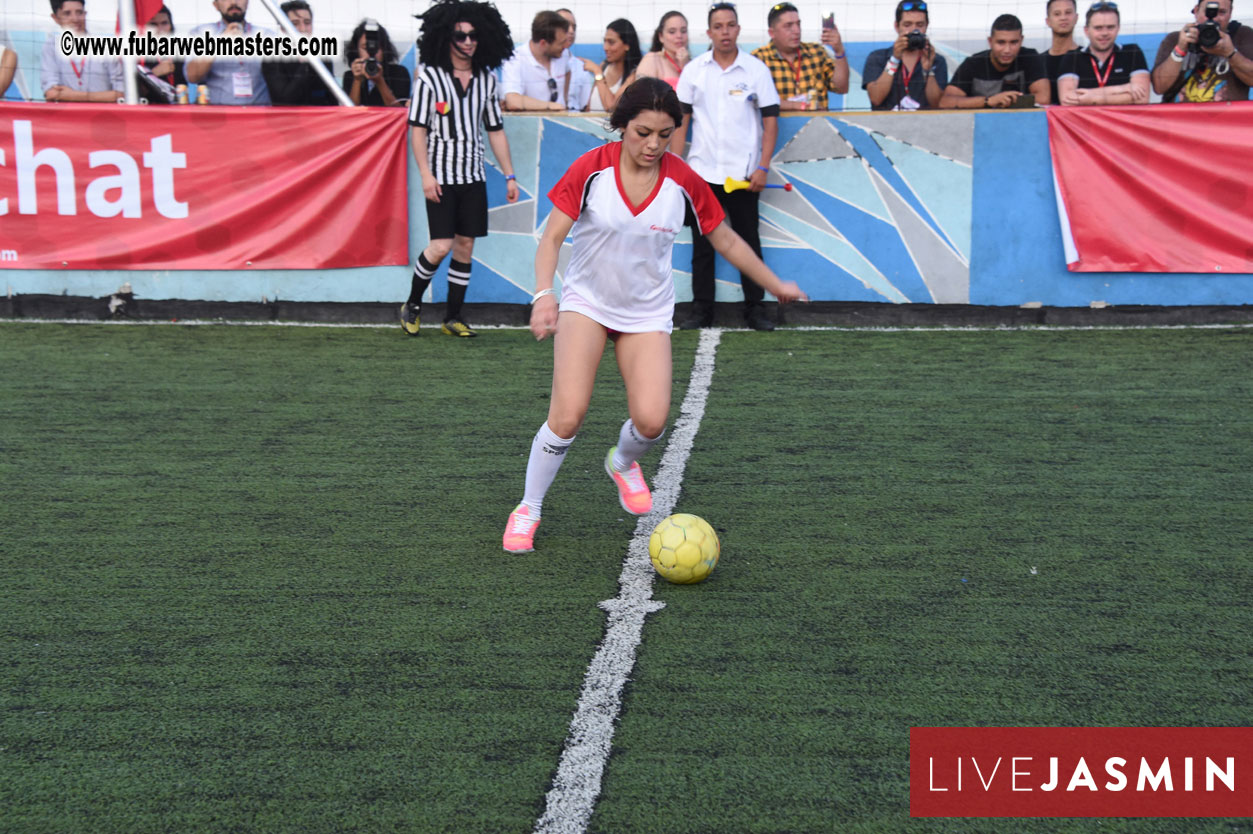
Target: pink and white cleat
[520, 531]
[633, 491]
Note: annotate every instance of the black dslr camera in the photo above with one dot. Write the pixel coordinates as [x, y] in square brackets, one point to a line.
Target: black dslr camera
[917, 40]
[372, 46]
[1208, 34]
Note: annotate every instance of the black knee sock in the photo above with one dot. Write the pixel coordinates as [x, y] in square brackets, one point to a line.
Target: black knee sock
[458, 280]
[423, 270]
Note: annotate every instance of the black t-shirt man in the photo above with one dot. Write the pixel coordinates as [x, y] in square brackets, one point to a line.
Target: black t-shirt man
[1053, 69]
[1124, 62]
[978, 77]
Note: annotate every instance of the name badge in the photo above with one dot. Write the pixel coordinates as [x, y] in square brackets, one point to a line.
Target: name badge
[242, 82]
[734, 93]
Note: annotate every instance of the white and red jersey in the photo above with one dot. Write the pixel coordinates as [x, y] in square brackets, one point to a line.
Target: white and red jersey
[620, 271]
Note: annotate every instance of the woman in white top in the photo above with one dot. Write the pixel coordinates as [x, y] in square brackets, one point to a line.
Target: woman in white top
[669, 54]
[624, 202]
[8, 68]
[622, 56]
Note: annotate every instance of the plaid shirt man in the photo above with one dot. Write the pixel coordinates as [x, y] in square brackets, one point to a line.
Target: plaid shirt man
[812, 71]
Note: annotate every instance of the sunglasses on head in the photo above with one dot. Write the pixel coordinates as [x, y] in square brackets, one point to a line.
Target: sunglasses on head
[717, 7]
[782, 7]
[552, 89]
[461, 37]
[1103, 6]
[913, 6]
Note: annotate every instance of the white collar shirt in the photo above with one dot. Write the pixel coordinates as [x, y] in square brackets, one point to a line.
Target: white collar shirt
[523, 73]
[726, 114]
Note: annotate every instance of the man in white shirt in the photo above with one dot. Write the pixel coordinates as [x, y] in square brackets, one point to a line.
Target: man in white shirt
[76, 79]
[730, 102]
[537, 77]
[580, 92]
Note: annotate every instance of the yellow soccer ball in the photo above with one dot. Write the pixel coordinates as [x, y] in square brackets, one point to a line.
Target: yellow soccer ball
[684, 548]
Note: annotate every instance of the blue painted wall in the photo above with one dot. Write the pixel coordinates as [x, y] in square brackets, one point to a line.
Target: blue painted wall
[925, 207]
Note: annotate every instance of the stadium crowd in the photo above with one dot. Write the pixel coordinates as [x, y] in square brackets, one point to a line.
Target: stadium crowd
[1210, 58]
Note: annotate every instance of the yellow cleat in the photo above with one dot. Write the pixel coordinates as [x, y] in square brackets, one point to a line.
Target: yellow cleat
[409, 318]
[456, 327]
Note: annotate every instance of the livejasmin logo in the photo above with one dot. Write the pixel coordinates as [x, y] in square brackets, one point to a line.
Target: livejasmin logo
[1019, 773]
[1081, 771]
[116, 187]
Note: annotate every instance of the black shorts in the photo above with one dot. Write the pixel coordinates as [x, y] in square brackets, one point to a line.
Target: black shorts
[461, 210]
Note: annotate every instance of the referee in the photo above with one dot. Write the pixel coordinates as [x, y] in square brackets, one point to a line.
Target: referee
[459, 46]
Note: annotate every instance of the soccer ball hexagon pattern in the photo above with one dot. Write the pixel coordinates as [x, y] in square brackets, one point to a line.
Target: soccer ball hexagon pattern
[684, 548]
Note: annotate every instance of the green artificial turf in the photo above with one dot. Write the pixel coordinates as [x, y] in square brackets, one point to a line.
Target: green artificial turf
[251, 578]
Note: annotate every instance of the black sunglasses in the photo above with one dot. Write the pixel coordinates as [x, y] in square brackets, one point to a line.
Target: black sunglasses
[552, 89]
[717, 7]
[461, 37]
[913, 6]
[782, 7]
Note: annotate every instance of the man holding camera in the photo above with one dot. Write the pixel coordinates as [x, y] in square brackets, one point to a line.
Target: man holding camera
[1210, 59]
[1104, 72]
[909, 75]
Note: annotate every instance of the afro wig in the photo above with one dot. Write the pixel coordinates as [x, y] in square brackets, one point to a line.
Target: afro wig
[495, 45]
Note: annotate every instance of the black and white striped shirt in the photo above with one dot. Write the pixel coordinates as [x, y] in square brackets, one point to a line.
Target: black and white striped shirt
[454, 119]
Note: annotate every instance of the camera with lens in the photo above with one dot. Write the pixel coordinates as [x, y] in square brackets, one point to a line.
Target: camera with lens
[1208, 34]
[372, 46]
[918, 40]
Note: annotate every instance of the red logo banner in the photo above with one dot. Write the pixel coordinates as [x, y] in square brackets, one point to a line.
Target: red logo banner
[1081, 771]
[98, 186]
[1155, 189]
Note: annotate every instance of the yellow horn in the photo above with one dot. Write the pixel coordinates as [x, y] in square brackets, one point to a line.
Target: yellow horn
[732, 184]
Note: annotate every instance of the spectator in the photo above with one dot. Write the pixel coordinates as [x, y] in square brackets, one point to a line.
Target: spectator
[617, 71]
[1188, 70]
[460, 46]
[999, 75]
[1104, 72]
[76, 79]
[579, 92]
[730, 102]
[803, 72]
[294, 82]
[374, 78]
[167, 69]
[230, 80]
[8, 68]
[1061, 17]
[669, 54]
[908, 75]
[537, 77]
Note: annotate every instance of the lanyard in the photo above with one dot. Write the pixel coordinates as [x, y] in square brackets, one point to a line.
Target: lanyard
[1096, 70]
[907, 74]
[673, 62]
[78, 68]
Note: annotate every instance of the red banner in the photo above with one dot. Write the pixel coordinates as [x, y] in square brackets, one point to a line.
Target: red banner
[1081, 771]
[99, 186]
[1155, 189]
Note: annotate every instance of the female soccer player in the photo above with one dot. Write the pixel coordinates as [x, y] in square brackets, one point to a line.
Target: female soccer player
[626, 202]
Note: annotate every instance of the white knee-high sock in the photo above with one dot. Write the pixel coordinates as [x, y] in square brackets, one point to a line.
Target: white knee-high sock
[632, 445]
[547, 452]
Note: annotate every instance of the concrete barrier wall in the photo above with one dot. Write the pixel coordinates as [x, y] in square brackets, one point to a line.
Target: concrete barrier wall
[953, 208]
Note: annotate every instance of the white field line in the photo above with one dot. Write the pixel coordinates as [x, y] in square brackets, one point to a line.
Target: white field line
[577, 781]
[823, 328]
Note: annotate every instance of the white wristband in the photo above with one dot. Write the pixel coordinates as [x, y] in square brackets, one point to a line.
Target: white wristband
[542, 293]
[1176, 57]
